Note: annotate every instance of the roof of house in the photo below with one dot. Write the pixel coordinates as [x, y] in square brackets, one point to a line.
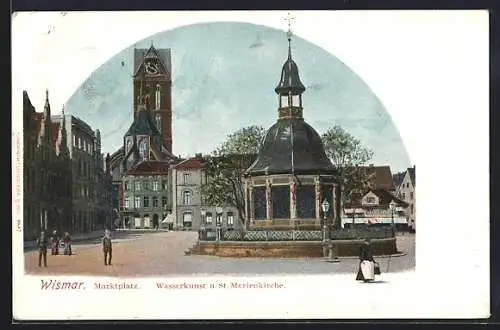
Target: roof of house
[384, 195]
[189, 164]
[149, 167]
[398, 178]
[381, 176]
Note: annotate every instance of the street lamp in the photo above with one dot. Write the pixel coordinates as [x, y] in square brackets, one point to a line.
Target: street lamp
[203, 220]
[392, 206]
[325, 206]
[218, 216]
[328, 247]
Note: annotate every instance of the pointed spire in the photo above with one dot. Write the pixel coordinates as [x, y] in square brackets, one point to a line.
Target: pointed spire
[63, 125]
[45, 135]
[289, 35]
[290, 79]
[47, 103]
[63, 137]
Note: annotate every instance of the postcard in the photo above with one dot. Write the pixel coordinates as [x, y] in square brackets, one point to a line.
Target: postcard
[250, 165]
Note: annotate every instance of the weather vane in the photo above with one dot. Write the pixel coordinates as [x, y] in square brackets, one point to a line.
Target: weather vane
[289, 19]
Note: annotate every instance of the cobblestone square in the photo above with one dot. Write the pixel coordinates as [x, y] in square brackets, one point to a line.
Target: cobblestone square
[162, 254]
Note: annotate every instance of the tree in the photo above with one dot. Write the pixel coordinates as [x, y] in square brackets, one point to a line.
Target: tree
[348, 155]
[225, 167]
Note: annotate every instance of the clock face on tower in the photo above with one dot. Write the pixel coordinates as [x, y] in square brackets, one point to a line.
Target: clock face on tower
[151, 68]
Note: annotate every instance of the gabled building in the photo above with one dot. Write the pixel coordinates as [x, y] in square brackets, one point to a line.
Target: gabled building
[374, 208]
[397, 178]
[147, 194]
[47, 172]
[187, 179]
[190, 208]
[407, 191]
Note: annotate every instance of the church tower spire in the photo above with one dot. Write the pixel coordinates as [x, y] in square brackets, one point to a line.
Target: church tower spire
[63, 137]
[45, 128]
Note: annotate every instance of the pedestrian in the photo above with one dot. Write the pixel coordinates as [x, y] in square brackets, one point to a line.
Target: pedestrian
[55, 243]
[107, 248]
[67, 244]
[42, 244]
[367, 264]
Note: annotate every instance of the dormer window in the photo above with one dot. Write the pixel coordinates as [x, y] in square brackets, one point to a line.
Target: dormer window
[143, 150]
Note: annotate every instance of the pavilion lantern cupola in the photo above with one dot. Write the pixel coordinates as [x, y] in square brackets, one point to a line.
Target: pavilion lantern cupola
[292, 173]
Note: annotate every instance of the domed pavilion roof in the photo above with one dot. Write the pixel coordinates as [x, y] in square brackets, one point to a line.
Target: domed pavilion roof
[291, 146]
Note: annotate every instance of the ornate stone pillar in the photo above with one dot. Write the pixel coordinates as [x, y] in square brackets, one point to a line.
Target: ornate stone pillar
[317, 192]
[247, 213]
[269, 200]
[251, 201]
[293, 198]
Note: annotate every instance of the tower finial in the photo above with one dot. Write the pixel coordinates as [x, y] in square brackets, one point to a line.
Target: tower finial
[63, 110]
[289, 34]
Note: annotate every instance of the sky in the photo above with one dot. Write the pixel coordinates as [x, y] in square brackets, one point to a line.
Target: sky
[224, 76]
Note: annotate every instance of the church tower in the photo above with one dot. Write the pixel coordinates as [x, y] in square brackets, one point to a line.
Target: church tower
[153, 74]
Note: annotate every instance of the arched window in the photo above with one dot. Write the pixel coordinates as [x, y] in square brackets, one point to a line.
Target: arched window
[186, 197]
[143, 150]
[158, 97]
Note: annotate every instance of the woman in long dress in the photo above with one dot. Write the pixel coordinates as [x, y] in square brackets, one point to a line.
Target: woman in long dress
[366, 271]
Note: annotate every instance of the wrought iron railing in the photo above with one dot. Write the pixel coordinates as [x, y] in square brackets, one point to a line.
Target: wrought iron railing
[293, 235]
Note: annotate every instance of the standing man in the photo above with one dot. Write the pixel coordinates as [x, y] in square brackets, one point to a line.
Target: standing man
[107, 247]
[42, 243]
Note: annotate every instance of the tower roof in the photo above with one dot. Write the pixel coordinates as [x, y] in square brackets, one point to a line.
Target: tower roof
[163, 55]
[290, 79]
[291, 146]
[143, 125]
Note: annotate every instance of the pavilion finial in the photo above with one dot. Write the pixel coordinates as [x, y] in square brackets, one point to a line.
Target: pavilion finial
[289, 33]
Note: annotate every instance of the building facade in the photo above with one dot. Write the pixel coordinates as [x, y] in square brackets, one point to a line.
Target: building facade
[406, 191]
[47, 172]
[190, 210]
[91, 205]
[374, 208]
[147, 195]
